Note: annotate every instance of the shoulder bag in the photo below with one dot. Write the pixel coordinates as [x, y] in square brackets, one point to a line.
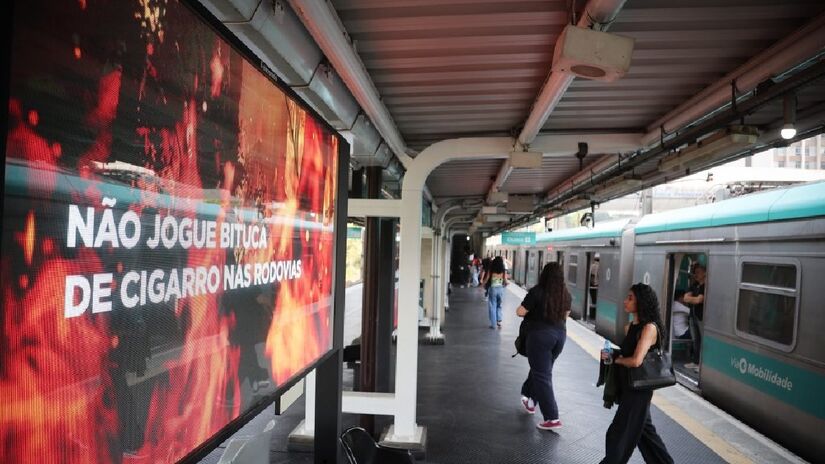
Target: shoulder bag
[655, 372]
[521, 340]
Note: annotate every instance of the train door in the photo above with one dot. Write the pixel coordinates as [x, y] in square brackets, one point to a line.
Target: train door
[529, 265]
[529, 277]
[576, 286]
[514, 262]
[592, 284]
[560, 258]
[612, 289]
[684, 304]
[585, 295]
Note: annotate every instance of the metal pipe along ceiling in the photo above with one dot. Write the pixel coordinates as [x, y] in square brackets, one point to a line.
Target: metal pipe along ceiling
[557, 83]
[323, 24]
[790, 51]
[278, 37]
[602, 11]
[812, 74]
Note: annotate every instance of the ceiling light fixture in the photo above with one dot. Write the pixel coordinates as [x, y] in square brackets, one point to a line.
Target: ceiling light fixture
[526, 159]
[496, 218]
[788, 130]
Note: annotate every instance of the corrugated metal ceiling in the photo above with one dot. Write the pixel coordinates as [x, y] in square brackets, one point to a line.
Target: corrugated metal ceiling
[446, 68]
[451, 68]
[463, 178]
[681, 47]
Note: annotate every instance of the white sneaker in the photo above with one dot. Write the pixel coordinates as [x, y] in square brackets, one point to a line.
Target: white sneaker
[691, 366]
[528, 404]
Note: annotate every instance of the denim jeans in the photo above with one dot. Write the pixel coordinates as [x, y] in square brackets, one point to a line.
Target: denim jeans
[494, 297]
[544, 345]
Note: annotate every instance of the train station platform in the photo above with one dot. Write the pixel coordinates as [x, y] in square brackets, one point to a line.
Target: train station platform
[469, 401]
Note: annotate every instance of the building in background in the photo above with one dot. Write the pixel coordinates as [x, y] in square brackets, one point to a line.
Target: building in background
[802, 161]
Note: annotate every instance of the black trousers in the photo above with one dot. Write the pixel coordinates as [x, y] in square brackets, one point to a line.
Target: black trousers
[544, 345]
[632, 427]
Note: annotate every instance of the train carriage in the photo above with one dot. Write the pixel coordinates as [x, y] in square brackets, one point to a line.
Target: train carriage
[762, 356]
[611, 243]
[759, 342]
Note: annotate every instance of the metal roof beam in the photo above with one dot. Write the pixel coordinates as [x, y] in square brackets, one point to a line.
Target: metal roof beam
[325, 27]
[602, 11]
[611, 168]
[792, 50]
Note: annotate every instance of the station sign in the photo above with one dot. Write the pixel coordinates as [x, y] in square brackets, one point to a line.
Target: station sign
[518, 238]
[354, 232]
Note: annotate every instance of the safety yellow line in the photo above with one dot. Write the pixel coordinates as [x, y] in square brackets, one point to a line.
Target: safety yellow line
[702, 433]
[695, 428]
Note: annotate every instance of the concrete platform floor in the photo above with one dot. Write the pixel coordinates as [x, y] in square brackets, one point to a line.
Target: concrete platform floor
[468, 399]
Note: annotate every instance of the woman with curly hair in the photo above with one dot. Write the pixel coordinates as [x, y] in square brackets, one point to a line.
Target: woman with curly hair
[631, 426]
[545, 310]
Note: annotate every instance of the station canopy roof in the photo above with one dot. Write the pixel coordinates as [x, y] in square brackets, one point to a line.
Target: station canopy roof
[449, 69]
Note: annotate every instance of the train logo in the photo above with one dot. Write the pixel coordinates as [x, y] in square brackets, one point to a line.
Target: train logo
[741, 364]
[761, 373]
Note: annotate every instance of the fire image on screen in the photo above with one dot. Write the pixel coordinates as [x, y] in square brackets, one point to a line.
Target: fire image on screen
[167, 242]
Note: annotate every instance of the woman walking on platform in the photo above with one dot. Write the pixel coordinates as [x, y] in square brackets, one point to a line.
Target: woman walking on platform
[632, 427]
[545, 310]
[498, 279]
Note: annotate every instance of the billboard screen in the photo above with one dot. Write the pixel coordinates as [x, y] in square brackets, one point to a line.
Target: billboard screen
[167, 241]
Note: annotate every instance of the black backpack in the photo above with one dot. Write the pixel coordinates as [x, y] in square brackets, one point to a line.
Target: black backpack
[521, 340]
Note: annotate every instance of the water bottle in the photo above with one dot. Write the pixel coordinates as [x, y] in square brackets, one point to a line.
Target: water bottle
[608, 350]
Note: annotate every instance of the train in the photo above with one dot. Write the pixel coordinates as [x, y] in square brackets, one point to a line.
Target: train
[760, 351]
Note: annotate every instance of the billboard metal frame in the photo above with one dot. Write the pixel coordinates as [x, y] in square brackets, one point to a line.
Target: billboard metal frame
[329, 365]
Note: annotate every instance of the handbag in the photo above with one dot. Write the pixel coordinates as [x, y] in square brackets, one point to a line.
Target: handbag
[521, 340]
[655, 372]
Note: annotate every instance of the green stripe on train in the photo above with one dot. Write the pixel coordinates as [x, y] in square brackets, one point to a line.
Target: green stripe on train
[606, 310]
[792, 385]
[576, 298]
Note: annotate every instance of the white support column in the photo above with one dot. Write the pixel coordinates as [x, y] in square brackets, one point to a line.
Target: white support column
[405, 428]
[302, 436]
[405, 431]
[448, 256]
[439, 278]
[435, 337]
[445, 281]
[309, 421]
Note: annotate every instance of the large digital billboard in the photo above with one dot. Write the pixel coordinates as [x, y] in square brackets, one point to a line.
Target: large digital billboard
[167, 235]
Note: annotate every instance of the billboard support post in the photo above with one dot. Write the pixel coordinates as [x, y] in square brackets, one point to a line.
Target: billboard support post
[329, 373]
[369, 306]
[386, 304]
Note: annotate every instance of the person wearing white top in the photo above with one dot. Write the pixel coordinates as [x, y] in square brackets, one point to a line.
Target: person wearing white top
[680, 314]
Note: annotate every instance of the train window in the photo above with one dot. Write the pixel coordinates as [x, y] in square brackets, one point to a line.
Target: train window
[771, 275]
[767, 302]
[572, 268]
